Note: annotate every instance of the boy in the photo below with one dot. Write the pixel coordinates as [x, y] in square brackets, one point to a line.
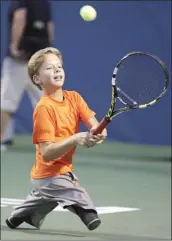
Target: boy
[55, 132]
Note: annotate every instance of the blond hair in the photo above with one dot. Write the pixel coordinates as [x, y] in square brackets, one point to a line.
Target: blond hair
[37, 60]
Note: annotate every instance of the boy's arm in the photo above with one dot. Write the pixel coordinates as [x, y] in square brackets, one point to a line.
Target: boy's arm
[50, 150]
[88, 116]
[92, 123]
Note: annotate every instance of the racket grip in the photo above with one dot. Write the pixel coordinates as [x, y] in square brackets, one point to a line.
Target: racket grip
[101, 126]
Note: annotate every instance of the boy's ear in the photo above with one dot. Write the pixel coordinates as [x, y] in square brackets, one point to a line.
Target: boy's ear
[36, 79]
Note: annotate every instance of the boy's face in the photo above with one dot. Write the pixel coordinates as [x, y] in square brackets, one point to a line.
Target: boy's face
[51, 73]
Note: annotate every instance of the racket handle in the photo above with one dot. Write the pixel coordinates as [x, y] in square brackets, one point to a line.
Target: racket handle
[101, 126]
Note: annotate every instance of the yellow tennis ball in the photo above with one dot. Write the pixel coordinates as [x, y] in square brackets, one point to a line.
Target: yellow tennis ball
[88, 13]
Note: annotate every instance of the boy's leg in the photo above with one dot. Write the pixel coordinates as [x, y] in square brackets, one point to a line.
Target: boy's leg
[83, 205]
[33, 211]
[33, 215]
[63, 189]
[88, 216]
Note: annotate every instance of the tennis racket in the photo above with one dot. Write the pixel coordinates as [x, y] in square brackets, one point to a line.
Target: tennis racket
[139, 80]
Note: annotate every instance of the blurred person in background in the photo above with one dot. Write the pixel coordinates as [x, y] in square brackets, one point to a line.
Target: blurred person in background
[30, 28]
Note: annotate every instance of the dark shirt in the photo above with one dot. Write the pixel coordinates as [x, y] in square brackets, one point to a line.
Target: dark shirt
[35, 35]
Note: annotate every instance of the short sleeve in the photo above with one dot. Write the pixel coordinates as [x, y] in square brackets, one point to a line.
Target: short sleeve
[43, 125]
[85, 113]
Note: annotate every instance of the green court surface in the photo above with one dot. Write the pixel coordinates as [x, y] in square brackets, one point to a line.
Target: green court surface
[130, 186]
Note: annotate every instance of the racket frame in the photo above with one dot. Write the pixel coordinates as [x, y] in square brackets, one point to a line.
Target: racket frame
[112, 112]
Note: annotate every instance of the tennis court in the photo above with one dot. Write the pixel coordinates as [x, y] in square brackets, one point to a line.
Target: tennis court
[130, 186]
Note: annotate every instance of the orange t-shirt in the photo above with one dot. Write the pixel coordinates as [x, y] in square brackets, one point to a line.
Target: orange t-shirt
[55, 121]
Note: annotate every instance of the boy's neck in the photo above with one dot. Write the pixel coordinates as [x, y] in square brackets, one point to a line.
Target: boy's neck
[57, 95]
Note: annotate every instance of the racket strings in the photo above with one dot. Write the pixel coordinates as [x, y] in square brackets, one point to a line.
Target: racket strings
[140, 79]
[124, 98]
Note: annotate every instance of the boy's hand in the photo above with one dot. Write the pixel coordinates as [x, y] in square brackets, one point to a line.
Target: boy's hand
[102, 136]
[87, 139]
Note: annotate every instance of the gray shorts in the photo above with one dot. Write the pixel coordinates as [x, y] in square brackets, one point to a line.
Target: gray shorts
[48, 193]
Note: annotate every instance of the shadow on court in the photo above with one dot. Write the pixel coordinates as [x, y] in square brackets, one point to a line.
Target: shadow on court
[76, 234]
